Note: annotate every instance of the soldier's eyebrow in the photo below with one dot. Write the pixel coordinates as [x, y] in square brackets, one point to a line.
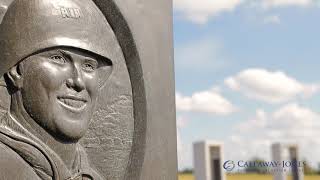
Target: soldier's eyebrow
[64, 53]
[69, 53]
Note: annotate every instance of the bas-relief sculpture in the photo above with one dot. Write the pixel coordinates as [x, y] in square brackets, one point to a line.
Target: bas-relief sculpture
[131, 131]
[67, 103]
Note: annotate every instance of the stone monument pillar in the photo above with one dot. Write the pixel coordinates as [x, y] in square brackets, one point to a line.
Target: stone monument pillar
[277, 155]
[294, 163]
[208, 160]
[297, 167]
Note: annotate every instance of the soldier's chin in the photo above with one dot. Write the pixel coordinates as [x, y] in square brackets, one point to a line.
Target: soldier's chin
[71, 133]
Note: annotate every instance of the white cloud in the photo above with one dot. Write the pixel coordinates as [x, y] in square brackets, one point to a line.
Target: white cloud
[269, 86]
[284, 3]
[291, 123]
[205, 101]
[273, 19]
[199, 11]
[289, 117]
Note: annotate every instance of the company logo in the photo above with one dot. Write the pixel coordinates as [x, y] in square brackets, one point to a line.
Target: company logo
[265, 166]
[229, 165]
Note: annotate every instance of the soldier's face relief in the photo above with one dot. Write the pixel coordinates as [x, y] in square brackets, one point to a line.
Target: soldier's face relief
[60, 89]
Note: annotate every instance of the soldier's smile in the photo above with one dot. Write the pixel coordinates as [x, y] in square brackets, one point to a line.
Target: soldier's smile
[72, 103]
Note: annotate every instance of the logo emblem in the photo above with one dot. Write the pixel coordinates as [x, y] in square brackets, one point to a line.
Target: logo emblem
[229, 165]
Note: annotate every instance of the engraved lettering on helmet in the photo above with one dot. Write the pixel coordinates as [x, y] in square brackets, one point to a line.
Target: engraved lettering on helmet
[74, 13]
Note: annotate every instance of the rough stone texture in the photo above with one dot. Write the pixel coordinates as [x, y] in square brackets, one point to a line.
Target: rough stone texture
[109, 139]
[144, 31]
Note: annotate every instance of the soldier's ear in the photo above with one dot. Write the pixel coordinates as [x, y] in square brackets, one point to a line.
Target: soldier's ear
[15, 76]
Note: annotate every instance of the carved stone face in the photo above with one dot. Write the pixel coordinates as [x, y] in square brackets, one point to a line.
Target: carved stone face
[59, 90]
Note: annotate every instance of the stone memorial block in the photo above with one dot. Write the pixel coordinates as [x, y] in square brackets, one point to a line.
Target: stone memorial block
[87, 90]
[294, 163]
[208, 160]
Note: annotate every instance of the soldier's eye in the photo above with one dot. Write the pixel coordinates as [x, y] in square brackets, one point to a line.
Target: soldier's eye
[90, 66]
[58, 59]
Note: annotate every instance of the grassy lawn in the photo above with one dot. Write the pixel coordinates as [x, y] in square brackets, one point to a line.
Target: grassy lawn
[246, 177]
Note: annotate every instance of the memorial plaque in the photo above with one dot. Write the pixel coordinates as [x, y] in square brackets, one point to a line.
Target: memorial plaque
[83, 95]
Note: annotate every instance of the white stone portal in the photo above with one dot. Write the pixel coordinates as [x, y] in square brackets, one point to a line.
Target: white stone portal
[208, 160]
[278, 155]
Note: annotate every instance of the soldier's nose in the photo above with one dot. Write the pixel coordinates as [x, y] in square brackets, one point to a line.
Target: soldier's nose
[76, 81]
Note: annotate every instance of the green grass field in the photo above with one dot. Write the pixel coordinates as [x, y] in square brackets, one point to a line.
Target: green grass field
[246, 177]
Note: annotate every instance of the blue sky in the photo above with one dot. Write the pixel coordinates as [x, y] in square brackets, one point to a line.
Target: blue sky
[247, 74]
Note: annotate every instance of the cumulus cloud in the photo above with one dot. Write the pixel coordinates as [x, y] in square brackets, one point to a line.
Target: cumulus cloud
[283, 3]
[289, 117]
[201, 10]
[290, 124]
[209, 101]
[269, 86]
